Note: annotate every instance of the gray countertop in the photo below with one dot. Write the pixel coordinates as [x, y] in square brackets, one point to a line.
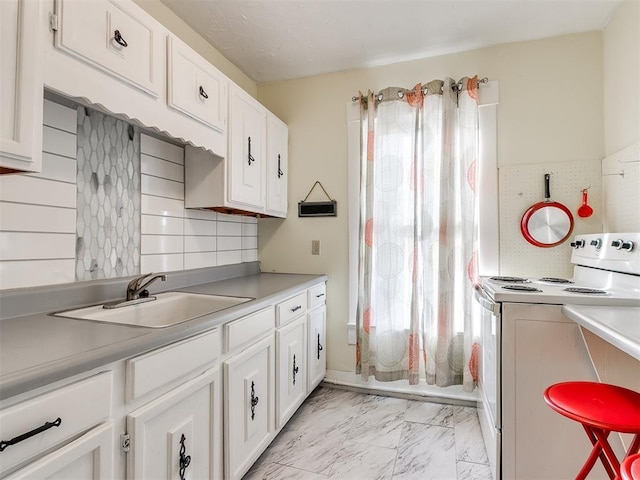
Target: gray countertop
[38, 348]
[620, 326]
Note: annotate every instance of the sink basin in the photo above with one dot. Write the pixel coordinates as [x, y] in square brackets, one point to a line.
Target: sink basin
[168, 309]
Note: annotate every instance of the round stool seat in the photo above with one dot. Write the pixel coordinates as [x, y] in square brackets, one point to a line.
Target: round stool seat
[630, 468]
[598, 404]
[601, 409]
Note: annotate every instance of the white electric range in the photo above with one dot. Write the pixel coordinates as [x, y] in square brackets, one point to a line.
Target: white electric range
[528, 343]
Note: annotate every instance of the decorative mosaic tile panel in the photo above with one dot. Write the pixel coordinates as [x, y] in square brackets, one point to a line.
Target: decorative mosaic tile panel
[108, 198]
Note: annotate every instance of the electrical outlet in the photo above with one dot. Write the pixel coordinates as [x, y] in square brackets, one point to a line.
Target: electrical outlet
[315, 247]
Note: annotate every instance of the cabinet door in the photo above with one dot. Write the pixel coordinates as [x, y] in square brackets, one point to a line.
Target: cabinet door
[90, 456]
[249, 406]
[21, 87]
[292, 368]
[247, 148]
[317, 347]
[113, 36]
[277, 163]
[179, 431]
[195, 87]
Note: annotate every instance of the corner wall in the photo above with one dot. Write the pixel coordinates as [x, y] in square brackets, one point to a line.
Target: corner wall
[621, 65]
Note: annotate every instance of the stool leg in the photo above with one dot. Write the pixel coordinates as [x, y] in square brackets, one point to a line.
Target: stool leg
[634, 447]
[608, 451]
[596, 453]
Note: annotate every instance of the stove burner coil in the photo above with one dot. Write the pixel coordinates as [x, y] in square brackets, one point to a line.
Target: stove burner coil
[510, 279]
[587, 291]
[555, 280]
[521, 288]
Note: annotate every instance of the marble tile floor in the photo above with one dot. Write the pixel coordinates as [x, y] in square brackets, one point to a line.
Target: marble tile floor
[339, 434]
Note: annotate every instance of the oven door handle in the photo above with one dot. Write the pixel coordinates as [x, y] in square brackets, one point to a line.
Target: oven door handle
[485, 302]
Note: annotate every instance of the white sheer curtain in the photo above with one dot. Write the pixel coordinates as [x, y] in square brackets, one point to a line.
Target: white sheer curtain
[418, 231]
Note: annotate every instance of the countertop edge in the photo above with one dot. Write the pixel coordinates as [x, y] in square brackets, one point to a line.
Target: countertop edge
[601, 329]
[22, 381]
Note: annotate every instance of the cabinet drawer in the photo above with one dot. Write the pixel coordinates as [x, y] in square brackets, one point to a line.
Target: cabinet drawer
[291, 308]
[248, 328]
[317, 295]
[165, 365]
[114, 37]
[79, 406]
[195, 87]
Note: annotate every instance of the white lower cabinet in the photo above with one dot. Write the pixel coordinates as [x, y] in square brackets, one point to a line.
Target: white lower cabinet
[159, 415]
[90, 456]
[292, 368]
[248, 406]
[179, 435]
[317, 360]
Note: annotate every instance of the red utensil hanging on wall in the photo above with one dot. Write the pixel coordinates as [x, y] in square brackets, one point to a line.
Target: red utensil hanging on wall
[585, 210]
[548, 223]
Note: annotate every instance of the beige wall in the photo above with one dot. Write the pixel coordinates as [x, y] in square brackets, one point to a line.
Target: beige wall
[551, 111]
[179, 28]
[621, 43]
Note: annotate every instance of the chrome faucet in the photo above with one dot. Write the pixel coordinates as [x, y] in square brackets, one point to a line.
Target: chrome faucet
[135, 291]
[134, 288]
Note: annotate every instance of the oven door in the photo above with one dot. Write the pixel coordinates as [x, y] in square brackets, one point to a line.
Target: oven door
[489, 380]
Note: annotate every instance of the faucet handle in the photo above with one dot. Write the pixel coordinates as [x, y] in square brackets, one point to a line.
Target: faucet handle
[135, 283]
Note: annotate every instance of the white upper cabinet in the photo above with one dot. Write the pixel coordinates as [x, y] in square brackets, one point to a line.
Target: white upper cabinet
[111, 36]
[277, 163]
[195, 87]
[247, 150]
[20, 87]
[239, 182]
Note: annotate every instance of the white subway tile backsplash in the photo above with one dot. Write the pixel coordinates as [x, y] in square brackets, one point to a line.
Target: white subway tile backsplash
[229, 229]
[58, 142]
[200, 244]
[230, 257]
[161, 244]
[200, 260]
[29, 246]
[55, 167]
[229, 243]
[200, 214]
[37, 191]
[60, 117]
[250, 255]
[249, 243]
[249, 229]
[162, 206]
[36, 272]
[161, 168]
[160, 149]
[223, 217]
[162, 263]
[160, 187]
[42, 215]
[19, 217]
[159, 225]
[200, 227]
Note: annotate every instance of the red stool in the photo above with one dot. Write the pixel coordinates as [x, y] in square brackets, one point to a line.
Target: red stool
[630, 468]
[601, 409]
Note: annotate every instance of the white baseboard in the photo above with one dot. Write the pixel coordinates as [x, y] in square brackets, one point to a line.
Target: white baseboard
[452, 395]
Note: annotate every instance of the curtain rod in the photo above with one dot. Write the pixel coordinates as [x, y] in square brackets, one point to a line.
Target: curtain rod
[458, 86]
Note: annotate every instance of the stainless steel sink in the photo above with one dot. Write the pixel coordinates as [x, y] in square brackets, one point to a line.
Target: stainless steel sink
[168, 309]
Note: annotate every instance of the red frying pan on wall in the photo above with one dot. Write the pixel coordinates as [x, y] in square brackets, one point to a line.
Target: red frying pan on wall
[548, 223]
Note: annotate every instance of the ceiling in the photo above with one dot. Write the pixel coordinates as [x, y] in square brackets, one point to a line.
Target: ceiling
[273, 40]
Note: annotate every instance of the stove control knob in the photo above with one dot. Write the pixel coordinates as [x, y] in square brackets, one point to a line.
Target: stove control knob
[578, 244]
[628, 246]
[617, 244]
[596, 243]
